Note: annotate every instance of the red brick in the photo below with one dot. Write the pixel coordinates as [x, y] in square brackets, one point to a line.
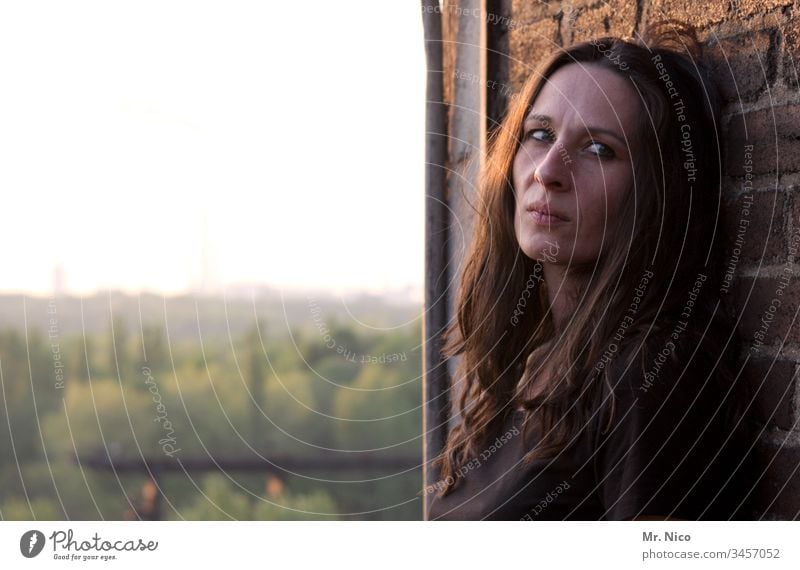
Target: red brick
[759, 241]
[742, 66]
[696, 13]
[756, 308]
[528, 47]
[778, 491]
[617, 19]
[791, 49]
[794, 215]
[761, 129]
[773, 384]
[529, 11]
[749, 7]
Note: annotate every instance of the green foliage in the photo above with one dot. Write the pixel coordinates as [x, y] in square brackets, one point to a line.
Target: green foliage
[123, 396]
[222, 499]
[152, 350]
[39, 509]
[316, 505]
[218, 500]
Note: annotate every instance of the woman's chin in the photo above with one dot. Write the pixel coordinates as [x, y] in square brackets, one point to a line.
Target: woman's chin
[544, 249]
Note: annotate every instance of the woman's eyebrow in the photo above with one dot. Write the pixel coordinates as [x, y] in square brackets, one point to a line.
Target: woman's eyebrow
[599, 130]
[538, 117]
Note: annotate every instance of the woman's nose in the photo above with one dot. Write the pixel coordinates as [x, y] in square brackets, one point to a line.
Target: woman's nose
[553, 171]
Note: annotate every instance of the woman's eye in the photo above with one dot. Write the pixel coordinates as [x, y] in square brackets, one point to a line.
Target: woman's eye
[601, 150]
[538, 134]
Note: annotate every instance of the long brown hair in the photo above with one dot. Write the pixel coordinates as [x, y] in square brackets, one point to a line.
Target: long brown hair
[669, 227]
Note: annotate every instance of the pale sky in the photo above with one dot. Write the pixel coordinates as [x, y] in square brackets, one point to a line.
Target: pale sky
[298, 133]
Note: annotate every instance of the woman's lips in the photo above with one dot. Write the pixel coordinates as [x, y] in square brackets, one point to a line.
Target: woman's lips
[542, 219]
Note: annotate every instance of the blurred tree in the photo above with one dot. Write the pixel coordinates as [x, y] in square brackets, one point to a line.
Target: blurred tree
[219, 501]
[21, 383]
[209, 412]
[119, 365]
[14, 364]
[18, 509]
[256, 383]
[153, 351]
[316, 505]
[88, 357]
[388, 403]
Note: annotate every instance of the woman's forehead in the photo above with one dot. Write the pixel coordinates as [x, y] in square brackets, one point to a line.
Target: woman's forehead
[586, 94]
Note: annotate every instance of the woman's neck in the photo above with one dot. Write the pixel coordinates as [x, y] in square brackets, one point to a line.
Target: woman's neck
[561, 288]
[561, 293]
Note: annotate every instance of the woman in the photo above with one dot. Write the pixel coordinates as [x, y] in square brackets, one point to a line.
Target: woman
[597, 372]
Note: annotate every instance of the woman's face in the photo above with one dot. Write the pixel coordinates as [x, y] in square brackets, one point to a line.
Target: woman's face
[573, 161]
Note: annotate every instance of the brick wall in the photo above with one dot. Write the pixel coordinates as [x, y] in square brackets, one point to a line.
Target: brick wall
[753, 48]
